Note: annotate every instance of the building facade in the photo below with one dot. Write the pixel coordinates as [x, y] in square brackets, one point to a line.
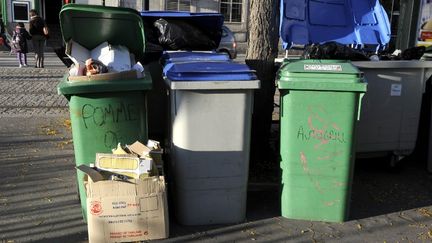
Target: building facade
[403, 14]
[234, 11]
[15, 11]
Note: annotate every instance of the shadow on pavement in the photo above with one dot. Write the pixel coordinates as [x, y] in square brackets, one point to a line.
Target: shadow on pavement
[38, 196]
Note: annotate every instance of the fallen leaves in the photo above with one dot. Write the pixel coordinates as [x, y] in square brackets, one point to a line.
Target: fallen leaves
[49, 131]
[62, 144]
[67, 123]
[425, 212]
[425, 236]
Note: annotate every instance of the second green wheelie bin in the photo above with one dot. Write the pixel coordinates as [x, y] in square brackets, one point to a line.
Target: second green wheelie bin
[319, 107]
[104, 112]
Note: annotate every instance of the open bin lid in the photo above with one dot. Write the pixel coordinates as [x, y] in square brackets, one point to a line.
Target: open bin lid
[189, 56]
[90, 25]
[209, 23]
[329, 75]
[210, 75]
[206, 21]
[362, 23]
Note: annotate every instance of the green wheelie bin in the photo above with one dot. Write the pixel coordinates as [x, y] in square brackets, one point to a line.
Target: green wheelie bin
[320, 103]
[105, 112]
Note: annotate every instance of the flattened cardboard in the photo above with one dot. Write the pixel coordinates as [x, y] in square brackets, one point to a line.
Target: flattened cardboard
[92, 173]
[139, 149]
[123, 212]
[77, 53]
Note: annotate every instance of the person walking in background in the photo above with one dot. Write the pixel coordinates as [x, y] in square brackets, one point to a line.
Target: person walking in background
[37, 26]
[19, 42]
[3, 33]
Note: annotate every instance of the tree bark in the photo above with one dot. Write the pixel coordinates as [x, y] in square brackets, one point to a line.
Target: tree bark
[261, 53]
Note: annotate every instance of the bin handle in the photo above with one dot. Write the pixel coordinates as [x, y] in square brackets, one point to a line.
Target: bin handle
[359, 105]
[174, 102]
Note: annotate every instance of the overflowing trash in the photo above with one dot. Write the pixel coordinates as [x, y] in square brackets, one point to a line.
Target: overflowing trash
[180, 35]
[126, 194]
[336, 51]
[333, 50]
[113, 60]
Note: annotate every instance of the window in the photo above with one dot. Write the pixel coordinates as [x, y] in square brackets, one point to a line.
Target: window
[20, 11]
[178, 5]
[231, 10]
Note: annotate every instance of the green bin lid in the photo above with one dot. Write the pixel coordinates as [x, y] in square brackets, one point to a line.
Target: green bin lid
[310, 74]
[90, 25]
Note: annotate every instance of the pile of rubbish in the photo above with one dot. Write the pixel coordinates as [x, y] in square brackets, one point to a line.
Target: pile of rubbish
[105, 58]
[337, 51]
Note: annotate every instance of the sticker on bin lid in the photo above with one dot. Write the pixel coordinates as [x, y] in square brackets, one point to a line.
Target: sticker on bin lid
[323, 67]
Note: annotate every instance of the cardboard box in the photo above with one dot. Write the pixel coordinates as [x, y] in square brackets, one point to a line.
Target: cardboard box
[119, 211]
[116, 58]
[126, 164]
[76, 52]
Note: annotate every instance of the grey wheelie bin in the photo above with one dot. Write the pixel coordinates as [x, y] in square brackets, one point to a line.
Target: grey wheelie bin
[391, 108]
[211, 108]
[104, 112]
[157, 55]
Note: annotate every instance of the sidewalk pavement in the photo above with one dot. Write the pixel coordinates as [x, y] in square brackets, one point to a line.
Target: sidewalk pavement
[38, 195]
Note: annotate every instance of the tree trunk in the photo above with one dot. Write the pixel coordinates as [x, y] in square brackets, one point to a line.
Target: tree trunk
[262, 50]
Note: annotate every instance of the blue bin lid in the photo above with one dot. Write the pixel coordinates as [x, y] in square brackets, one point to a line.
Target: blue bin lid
[189, 56]
[208, 71]
[361, 23]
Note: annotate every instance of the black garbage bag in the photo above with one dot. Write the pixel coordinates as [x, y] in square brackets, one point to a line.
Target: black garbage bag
[333, 50]
[180, 35]
[151, 38]
[413, 53]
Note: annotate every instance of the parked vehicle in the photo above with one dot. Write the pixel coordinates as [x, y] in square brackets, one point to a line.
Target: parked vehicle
[228, 43]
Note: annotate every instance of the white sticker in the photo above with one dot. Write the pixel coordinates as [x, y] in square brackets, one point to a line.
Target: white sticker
[396, 90]
[323, 67]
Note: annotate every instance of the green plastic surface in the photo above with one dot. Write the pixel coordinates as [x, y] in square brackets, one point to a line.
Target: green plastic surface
[317, 146]
[102, 120]
[310, 74]
[68, 88]
[90, 25]
[104, 113]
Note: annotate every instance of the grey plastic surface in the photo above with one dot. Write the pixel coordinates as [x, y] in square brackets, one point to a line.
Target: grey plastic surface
[390, 110]
[210, 137]
[212, 85]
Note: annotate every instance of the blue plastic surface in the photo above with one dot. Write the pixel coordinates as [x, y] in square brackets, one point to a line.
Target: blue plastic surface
[208, 71]
[361, 23]
[188, 56]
